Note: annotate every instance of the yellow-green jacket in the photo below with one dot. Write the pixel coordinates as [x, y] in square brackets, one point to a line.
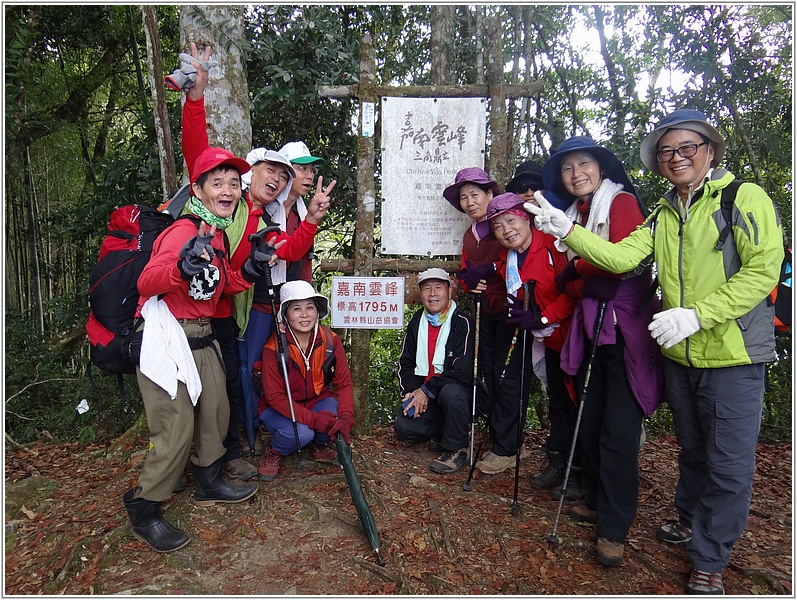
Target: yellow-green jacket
[728, 288]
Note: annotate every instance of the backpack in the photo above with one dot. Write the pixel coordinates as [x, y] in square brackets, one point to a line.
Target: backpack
[114, 345]
[780, 297]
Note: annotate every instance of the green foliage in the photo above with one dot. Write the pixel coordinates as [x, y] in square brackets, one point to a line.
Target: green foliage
[383, 387]
[44, 385]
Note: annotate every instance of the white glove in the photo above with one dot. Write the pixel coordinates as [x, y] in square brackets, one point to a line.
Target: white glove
[541, 334]
[187, 68]
[674, 325]
[548, 218]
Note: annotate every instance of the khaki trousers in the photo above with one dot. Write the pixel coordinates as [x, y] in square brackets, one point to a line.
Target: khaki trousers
[175, 424]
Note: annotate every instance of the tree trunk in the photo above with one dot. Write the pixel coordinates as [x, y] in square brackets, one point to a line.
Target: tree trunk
[497, 163]
[33, 243]
[227, 94]
[442, 23]
[158, 89]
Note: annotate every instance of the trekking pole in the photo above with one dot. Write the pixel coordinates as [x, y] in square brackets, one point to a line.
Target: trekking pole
[510, 352]
[477, 299]
[259, 237]
[521, 418]
[552, 538]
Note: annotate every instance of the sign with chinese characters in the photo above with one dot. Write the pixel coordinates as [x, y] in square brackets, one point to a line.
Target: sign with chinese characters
[367, 302]
[425, 141]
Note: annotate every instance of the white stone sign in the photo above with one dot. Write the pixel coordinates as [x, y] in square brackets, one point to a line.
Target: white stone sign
[425, 141]
[367, 302]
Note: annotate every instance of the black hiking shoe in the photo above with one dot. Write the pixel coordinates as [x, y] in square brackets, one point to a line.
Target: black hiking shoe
[674, 533]
[573, 491]
[550, 476]
[434, 445]
[450, 461]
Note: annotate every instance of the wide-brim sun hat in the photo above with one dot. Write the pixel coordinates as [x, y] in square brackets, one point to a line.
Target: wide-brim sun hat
[302, 290]
[473, 175]
[215, 157]
[299, 153]
[434, 273]
[259, 155]
[498, 206]
[610, 166]
[528, 173]
[683, 118]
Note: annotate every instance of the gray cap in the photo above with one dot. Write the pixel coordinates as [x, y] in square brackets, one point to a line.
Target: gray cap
[433, 273]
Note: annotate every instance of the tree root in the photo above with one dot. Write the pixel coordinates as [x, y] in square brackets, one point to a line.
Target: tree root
[444, 528]
[766, 576]
[438, 582]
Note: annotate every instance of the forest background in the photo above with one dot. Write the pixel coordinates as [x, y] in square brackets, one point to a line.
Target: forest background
[80, 138]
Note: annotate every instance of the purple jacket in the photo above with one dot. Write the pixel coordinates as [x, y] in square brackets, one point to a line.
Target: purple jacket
[643, 360]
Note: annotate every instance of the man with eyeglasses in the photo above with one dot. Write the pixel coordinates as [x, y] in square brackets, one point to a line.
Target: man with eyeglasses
[292, 212]
[716, 331]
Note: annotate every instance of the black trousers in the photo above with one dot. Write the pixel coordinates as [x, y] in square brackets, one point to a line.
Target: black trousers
[495, 337]
[611, 424]
[562, 410]
[511, 391]
[226, 331]
[446, 417]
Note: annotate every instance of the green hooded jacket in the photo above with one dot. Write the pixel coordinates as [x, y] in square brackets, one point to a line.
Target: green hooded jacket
[728, 288]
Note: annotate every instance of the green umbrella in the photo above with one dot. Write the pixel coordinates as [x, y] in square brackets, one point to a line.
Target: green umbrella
[357, 496]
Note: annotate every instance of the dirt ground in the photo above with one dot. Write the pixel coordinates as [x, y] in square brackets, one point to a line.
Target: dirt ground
[67, 531]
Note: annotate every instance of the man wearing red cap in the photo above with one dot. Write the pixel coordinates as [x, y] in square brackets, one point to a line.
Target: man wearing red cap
[180, 374]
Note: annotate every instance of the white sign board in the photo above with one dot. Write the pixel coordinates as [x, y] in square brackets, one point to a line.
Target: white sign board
[367, 302]
[425, 141]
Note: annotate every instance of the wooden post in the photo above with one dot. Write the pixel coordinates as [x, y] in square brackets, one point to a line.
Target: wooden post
[364, 236]
[497, 161]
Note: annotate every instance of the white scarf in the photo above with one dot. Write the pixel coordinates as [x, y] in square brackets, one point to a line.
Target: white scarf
[599, 208]
[422, 349]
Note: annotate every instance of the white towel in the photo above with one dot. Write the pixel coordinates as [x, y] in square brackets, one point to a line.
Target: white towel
[513, 280]
[166, 357]
[599, 208]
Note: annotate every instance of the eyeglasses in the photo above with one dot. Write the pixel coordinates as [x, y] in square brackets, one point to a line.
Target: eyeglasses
[685, 151]
[305, 168]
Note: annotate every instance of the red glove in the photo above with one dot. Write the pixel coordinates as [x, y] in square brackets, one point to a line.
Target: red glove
[344, 424]
[322, 421]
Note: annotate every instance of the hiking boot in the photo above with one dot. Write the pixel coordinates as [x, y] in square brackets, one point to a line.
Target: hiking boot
[702, 582]
[238, 468]
[269, 466]
[450, 461]
[211, 487]
[610, 553]
[435, 445]
[573, 491]
[150, 527]
[674, 533]
[581, 514]
[492, 464]
[550, 476]
[322, 452]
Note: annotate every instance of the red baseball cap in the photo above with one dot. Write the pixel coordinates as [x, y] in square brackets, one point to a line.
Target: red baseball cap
[215, 157]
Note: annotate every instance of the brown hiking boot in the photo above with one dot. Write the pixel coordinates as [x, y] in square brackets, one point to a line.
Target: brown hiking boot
[581, 514]
[238, 468]
[610, 553]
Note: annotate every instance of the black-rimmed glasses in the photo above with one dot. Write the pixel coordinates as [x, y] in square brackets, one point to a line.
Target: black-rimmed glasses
[685, 151]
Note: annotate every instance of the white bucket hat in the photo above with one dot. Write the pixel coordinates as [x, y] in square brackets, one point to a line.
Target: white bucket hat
[301, 290]
[433, 273]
